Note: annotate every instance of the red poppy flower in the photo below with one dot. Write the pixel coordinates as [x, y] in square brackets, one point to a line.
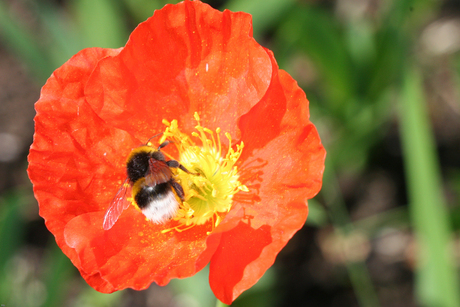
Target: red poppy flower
[190, 72]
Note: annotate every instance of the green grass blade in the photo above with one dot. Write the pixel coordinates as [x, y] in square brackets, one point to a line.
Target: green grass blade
[142, 9]
[11, 227]
[317, 215]
[316, 33]
[436, 276]
[90, 297]
[264, 13]
[11, 236]
[195, 289]
[58, 276]
[64, 41]
[340, 219]
[101, 23]
[18, 39]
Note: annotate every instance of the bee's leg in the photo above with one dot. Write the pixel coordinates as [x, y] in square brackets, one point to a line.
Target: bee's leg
[173, 163]
[178, 188]
[176, 164]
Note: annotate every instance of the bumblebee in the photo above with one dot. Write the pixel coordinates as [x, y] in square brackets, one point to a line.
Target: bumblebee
[152, 185]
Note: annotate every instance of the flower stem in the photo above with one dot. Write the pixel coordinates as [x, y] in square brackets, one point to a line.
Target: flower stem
[220, 304]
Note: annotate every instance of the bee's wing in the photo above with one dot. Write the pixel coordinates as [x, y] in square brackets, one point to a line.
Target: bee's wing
[159, 172]
[119, 204]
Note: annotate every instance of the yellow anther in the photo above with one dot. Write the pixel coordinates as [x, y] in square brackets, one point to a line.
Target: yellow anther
[212, 191]
[243, 188]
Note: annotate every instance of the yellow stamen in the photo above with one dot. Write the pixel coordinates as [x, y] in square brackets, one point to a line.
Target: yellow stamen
[211, 192]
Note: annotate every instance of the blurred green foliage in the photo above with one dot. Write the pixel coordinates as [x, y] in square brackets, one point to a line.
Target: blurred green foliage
[362, 73]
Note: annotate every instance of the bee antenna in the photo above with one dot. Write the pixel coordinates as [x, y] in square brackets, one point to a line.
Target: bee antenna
[153, 137]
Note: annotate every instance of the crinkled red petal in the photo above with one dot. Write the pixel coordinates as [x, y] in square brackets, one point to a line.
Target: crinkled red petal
[170, 69]
[102, 103]
[74, 157]
[76, 166]
[282, 170]
[134, 252]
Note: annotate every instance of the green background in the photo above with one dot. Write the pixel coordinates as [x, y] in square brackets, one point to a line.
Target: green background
[383, 82]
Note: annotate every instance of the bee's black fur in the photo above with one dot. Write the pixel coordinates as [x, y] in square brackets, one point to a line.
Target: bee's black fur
[148, 194]
[138, 165]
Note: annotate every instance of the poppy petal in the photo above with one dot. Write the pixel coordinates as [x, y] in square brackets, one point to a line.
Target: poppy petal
[170, 69]
[103, 103]
[286, 170]
[64, 160]
[125, 255]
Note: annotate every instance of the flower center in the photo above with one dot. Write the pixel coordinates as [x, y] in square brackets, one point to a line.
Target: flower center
[209, 192]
